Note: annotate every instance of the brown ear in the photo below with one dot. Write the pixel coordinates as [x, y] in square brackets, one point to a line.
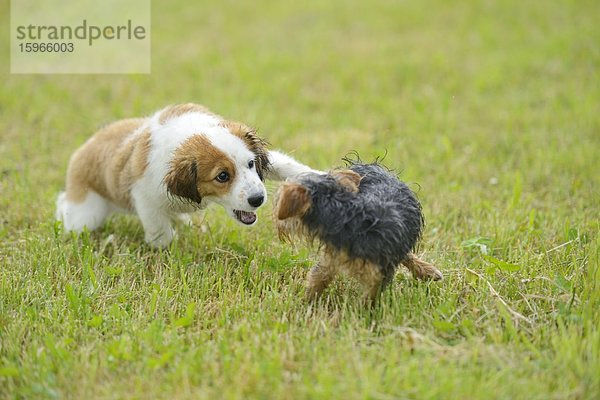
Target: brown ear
[181, 180]
[348, 179]
[259, 147]
[256, 145]
[294, 201]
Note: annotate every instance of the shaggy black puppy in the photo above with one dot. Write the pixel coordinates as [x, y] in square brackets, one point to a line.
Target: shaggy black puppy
[365, 218]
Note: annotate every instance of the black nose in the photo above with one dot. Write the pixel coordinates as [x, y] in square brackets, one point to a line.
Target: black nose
[256, 201]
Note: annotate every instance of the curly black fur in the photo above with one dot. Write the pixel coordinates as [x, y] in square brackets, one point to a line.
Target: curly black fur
[380, 223]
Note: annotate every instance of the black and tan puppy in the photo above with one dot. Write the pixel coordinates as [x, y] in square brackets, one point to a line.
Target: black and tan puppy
[366, 220]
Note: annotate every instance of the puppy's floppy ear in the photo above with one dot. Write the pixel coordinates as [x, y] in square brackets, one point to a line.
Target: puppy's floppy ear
[293, 201]
[256, 145]
[259, 147]
[181, 179]
[348, 178]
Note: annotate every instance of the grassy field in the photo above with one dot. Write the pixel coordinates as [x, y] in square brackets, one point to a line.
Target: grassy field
[489, 109]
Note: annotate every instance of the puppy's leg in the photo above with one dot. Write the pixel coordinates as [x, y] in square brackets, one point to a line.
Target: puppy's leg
[89, 213]
[319, 277]
[284, 166]
[372, 279]
[156, 221]
[184, 219]
[158, 231]
[421, 269]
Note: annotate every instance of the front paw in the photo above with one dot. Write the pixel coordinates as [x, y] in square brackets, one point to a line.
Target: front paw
[160, 240]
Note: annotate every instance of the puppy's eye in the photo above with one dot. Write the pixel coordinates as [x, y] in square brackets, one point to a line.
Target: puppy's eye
[223, 177]
[251, 164]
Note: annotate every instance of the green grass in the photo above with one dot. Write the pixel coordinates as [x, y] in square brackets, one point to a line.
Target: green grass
[489, 108]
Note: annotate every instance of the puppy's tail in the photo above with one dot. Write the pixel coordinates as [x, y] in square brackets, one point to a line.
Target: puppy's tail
[60, 206]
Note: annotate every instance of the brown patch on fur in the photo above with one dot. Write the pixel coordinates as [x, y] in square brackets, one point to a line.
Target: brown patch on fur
[421, 269]
[321, 275]
[348, 178]
[109, 163]
[254, 143]
[180, 109]
[194, 168]
[333, 262]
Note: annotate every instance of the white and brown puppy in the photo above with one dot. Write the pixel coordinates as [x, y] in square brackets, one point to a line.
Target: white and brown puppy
[163, 167]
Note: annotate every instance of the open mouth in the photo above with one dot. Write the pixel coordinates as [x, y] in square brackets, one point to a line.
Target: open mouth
[245, 217]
